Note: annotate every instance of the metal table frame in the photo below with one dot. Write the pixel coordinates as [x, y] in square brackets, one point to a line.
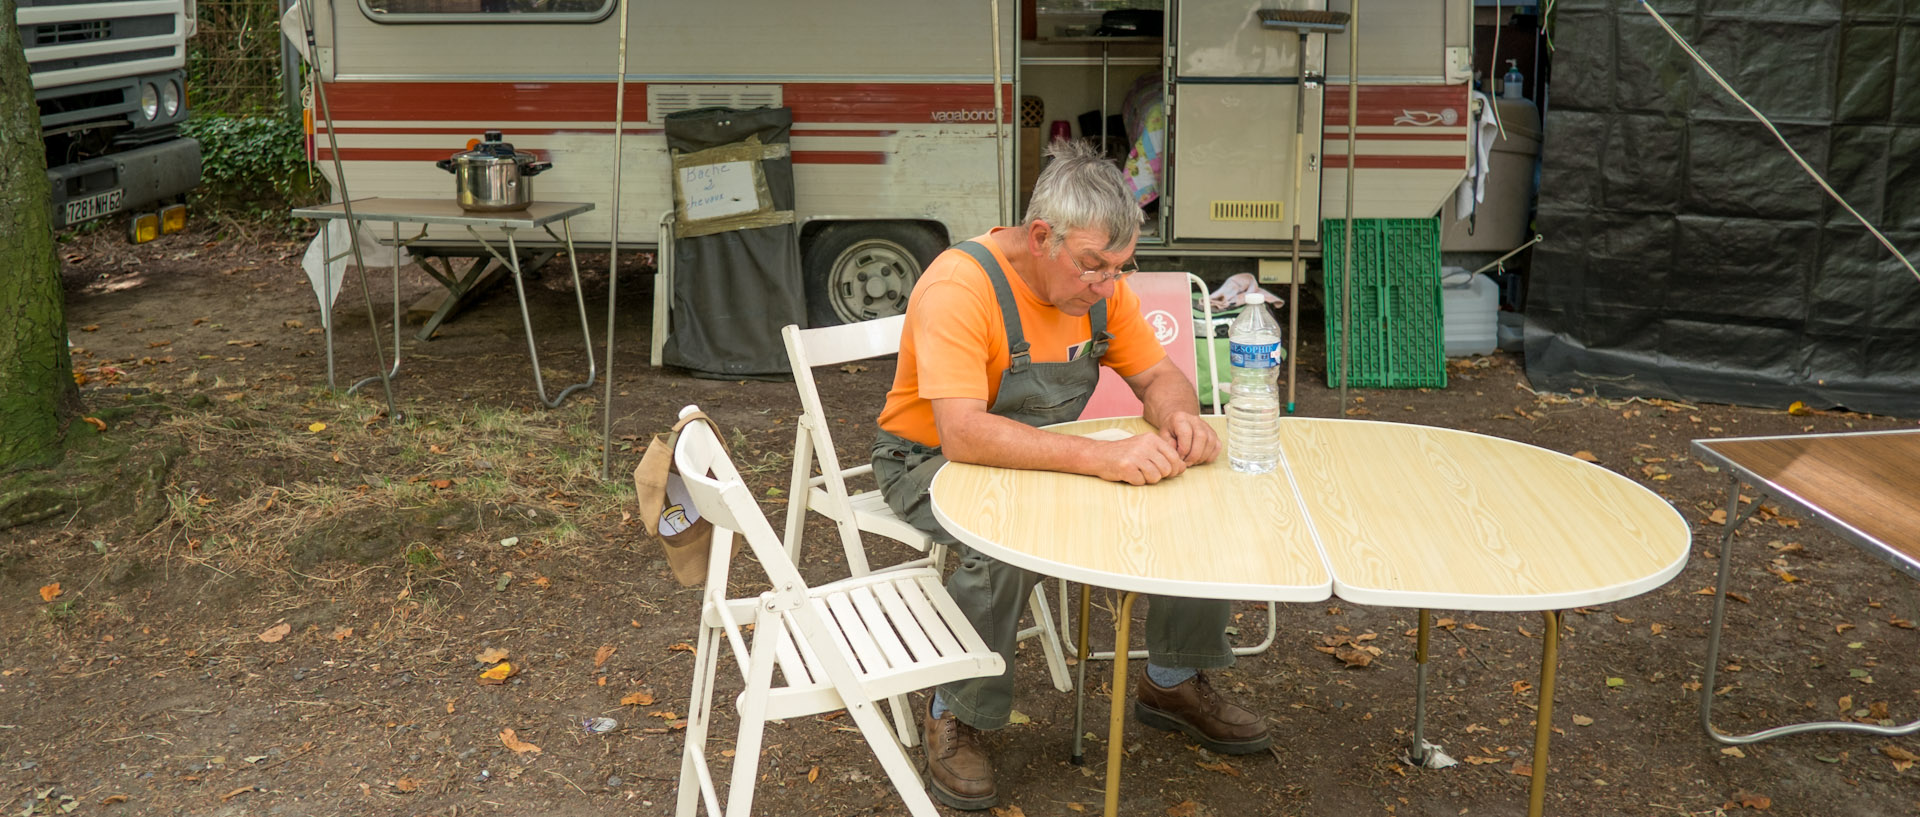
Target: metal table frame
[1767, 489]
[537, 216]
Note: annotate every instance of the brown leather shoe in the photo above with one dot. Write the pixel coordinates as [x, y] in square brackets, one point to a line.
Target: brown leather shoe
[957, 764]
[1196, 708]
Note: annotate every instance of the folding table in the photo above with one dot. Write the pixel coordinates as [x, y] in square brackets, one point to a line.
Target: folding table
[1864, 486]
[539, 215]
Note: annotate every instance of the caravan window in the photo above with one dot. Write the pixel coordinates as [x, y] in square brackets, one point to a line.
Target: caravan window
[486, 11]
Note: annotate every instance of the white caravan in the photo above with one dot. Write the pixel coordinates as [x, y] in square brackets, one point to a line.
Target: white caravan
[898, 147]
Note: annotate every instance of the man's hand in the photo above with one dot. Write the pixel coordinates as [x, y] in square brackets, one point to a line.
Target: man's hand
[1192, 439]
[1143, 459]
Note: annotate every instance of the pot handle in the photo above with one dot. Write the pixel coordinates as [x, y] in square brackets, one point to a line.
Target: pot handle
[534, 168]
[444, 164]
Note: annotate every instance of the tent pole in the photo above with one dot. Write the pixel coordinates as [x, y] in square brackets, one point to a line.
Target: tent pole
[613, 247]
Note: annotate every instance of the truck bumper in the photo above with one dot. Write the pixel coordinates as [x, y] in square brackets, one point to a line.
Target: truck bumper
[128, 180]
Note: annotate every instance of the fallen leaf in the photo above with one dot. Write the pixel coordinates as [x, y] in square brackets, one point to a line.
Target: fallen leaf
[641, 698]
[235, 793]
[601, 655]
[1738, 597]
[1841, 628]
[542, 581]
[50, 592]
[1656, 627]
[497, 675]
[406, 784]
[491, 655]
[1901, 623]
[1757, 802]
[1481, 761]
[1522, 767]
[441, 484]
[1017, 717]
[1733, 751]
[813, 774]
[1076, 807]
[1009, 811]
[1622, 619]
[1798, 409]
[92, 327]
[276, 632]
[681, 647]
[1845, 703]
[317, 427]
[1185, 808]
[1220, 766]
[1902, 759]
[519, 747]
[342, 633]
[449, 706]
[96, 422]
[1522, 687]
[1586, 456]
[1616, 682]
[1783, 574]
[1582, 720]
[114, 798]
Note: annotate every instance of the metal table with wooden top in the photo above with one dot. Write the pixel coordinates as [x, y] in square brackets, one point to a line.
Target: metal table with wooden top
[1864, 486]
[539, 215]
[1374, 513]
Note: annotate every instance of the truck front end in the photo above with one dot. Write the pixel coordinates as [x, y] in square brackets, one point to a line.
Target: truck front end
[110, 81]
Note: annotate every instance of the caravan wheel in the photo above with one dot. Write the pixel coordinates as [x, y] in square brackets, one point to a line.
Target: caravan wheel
[863, 271]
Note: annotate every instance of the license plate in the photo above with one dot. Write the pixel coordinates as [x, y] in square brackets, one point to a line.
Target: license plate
[94, 206]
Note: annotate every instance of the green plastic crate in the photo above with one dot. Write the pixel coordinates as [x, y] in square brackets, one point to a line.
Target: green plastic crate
[1398, 339]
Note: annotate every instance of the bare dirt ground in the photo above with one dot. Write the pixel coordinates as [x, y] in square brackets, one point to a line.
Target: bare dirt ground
[298, 634]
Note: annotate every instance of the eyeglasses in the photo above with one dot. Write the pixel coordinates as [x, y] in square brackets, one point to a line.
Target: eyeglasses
[1094, 276]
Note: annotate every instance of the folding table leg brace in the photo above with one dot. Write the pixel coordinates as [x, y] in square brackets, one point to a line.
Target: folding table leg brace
[512, 261]
[1734, 518]
[1117, 712]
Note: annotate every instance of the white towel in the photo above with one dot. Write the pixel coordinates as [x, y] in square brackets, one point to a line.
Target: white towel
[374, 253]
[1473, 189]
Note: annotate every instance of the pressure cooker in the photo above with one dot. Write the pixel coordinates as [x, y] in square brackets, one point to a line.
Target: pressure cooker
[493, 177]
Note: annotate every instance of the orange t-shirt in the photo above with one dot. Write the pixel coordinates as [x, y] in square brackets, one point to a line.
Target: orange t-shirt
[955, 341]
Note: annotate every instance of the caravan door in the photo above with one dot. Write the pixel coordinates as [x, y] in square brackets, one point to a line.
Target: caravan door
[1234, 86]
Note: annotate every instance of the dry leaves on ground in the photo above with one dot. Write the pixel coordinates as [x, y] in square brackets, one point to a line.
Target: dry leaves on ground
[641, 698]
[601, 655]
[1758, 802]
[50, 592]
[491, 655]
[497, 675]
[519, 747]
[275, 633]
[1350, 649]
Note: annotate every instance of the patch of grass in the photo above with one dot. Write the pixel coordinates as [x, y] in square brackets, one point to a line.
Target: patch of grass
[421, 556]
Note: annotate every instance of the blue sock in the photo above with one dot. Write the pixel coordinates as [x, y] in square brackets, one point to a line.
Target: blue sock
[939, 706]
[1165, 677]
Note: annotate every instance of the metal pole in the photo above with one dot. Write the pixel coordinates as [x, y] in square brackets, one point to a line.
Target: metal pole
[999, 121]
[613, 247]
[1299, 169]
[1353, 167]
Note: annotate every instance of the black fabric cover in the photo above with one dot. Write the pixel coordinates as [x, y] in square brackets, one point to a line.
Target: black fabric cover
[733, 291]
[1687, 255]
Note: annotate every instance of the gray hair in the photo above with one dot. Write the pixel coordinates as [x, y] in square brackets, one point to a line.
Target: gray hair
[1079, 189]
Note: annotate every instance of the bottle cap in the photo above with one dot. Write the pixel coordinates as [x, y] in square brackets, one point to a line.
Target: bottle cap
[1256, 298]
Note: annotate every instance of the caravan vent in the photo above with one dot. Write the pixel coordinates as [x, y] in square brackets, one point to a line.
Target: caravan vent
[1248, 211]
[663, 100]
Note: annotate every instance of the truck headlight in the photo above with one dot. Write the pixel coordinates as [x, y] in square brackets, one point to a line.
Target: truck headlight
[149, 101]
[170, 97]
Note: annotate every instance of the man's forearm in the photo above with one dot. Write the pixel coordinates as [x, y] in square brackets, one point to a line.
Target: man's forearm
[988, 439]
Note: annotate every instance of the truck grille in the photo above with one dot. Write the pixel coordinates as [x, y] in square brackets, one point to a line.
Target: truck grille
[67, 33]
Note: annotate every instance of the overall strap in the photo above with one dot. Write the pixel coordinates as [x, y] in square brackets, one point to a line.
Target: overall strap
[1017, 348]
[1097, 319]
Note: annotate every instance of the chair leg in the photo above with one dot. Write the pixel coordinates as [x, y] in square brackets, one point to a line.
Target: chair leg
[694, 779]
[797, 492]
[904, 723]
[1049, 639]
[753, 716]
[893, 758]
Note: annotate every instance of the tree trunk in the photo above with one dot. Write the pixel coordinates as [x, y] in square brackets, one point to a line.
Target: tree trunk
[36, 375]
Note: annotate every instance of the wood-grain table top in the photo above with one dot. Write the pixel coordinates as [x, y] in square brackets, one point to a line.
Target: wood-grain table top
[1865, 485]
[1374, 512]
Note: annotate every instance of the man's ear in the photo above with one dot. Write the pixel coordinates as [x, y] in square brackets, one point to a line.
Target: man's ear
[1037, 234]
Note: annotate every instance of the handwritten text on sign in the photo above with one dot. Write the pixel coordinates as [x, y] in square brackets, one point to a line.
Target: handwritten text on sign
[714, 191]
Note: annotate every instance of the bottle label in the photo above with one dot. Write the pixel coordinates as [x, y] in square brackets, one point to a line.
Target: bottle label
[1254, 355]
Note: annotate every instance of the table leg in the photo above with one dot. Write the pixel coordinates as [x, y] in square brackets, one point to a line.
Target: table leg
[395, 371]
[1707, 680]
[1117, 715]
[1419, 753]
[512, 260]
[326, 300]
[1543, 720]
[1080, 683]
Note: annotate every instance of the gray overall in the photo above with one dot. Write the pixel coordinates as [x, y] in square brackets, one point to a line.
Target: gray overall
[1180, 632]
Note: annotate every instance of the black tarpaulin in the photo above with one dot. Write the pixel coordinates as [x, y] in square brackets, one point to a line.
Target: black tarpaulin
[736, 251]
[1687, 255]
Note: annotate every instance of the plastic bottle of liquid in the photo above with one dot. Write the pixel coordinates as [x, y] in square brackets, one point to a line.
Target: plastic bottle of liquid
[1253, 414]
[1513, 85]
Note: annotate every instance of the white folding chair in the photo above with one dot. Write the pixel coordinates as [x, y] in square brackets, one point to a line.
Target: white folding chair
[1166, 298]
[848, 644]
[827, 494]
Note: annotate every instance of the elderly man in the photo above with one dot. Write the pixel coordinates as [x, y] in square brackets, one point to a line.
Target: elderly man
[1008, 332]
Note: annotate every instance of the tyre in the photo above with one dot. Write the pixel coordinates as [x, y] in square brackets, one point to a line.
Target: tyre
[860, 271]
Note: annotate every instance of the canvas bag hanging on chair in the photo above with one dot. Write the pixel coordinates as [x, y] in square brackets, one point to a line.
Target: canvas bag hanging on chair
[666, 509]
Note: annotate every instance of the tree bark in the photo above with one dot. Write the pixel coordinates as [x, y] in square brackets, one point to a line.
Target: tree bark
[36, 375]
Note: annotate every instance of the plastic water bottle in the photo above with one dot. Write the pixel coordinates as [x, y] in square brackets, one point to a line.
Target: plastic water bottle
[1253, 414]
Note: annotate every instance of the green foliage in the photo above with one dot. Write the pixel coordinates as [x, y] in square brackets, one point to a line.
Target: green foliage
[253, 167]
[421, 556]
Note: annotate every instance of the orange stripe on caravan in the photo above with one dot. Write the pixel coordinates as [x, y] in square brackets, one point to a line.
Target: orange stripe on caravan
[1340, 135]
[802, 157]
[1395, 105]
